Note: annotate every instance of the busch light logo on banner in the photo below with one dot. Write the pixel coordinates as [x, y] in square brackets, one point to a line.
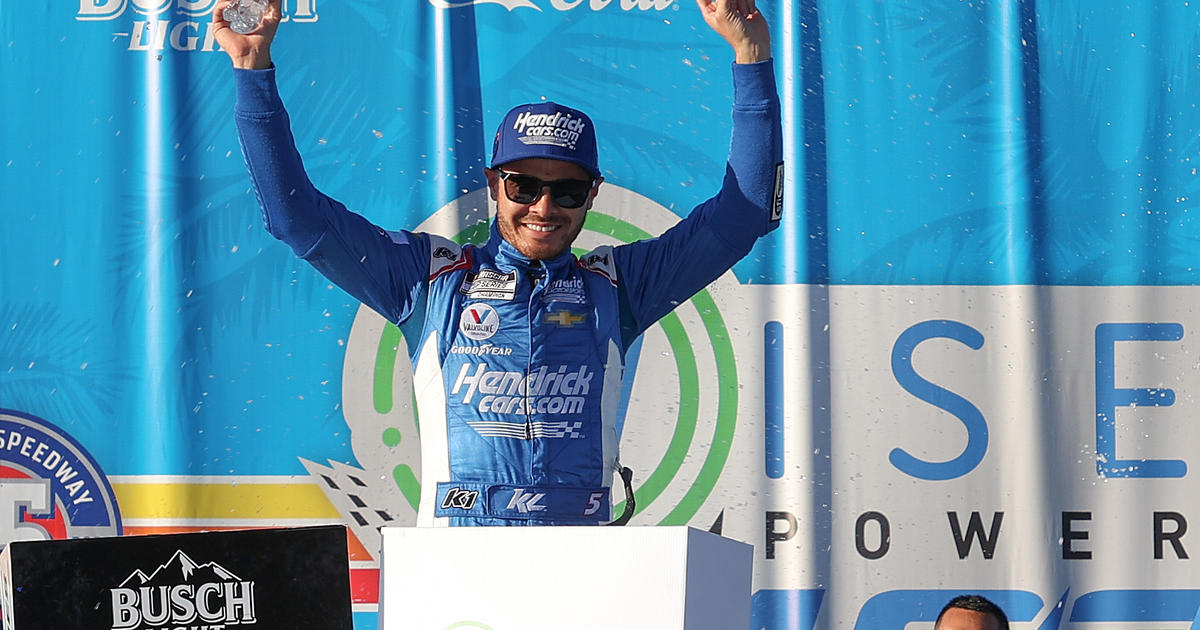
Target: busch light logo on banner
[183, 25]
[182, 594]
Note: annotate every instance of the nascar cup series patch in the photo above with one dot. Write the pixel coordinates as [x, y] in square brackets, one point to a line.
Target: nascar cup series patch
[489, 284]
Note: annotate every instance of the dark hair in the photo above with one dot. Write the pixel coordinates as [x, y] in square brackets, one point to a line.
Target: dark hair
[977, 603]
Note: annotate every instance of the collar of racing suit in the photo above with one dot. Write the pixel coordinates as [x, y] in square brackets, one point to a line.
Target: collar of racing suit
[506, 255]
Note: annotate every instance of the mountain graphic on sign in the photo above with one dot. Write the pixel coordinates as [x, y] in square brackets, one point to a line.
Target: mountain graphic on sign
[180, 569]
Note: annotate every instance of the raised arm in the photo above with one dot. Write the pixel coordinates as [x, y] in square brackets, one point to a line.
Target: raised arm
[385, 270]
[657, 275]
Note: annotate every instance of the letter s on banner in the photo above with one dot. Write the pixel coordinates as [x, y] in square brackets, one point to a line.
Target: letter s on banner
[907, 377]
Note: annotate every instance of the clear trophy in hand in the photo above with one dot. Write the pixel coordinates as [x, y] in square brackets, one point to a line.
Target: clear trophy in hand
[244, 15]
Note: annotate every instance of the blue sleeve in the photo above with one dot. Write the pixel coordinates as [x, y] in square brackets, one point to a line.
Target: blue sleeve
[656, 275]
[386, 270]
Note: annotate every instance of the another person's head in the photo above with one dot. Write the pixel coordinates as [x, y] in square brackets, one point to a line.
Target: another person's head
[544, 176]
[971, 612]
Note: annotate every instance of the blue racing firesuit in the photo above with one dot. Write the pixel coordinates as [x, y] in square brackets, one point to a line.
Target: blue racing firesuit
[517, 363]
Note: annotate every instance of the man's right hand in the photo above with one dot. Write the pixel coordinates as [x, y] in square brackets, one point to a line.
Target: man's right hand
[251, 51]
[742, 25]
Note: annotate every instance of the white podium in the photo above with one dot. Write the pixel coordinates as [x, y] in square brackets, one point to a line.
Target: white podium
[551, 578]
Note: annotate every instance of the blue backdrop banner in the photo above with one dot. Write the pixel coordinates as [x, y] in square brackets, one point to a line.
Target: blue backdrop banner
[962, 364]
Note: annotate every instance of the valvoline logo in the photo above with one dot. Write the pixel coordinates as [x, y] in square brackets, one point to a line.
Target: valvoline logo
[50, 487]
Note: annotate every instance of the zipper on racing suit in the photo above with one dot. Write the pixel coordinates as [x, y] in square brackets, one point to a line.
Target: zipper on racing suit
[535, 274]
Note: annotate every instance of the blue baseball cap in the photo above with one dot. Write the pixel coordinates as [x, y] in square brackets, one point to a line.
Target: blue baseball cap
[546, 130]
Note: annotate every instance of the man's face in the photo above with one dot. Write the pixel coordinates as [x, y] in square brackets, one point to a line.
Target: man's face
[962, 619]
[541, 229]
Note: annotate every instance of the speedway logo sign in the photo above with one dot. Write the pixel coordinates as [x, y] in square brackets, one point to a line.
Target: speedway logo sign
[50, 486]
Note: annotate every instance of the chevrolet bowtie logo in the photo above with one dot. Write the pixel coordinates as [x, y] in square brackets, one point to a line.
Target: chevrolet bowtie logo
[565, 319]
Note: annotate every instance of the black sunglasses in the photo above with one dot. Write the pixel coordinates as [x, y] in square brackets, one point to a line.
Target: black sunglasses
[526, 189]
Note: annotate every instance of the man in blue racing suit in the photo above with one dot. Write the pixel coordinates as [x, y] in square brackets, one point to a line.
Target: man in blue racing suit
[518, 345]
